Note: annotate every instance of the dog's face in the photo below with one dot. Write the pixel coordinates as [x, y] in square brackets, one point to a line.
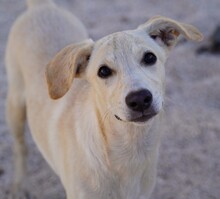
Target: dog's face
[125, 69]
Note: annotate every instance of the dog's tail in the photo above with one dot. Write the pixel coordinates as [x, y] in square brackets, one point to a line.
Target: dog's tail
[32, 3]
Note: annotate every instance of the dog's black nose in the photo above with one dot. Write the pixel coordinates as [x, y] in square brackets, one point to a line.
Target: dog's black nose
[139, 100]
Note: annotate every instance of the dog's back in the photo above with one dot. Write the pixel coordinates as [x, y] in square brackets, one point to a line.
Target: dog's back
[36, 36]
[40, 33]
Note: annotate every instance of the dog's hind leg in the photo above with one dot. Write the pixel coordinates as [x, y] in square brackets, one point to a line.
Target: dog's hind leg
[16, 116]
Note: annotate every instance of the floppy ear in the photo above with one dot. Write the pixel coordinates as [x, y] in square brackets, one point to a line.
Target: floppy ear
[70, 62]
[166, 31]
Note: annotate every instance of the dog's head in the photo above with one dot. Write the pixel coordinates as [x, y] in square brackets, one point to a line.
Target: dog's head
[125, 69]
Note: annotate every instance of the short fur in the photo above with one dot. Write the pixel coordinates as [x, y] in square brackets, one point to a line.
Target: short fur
[88, 135]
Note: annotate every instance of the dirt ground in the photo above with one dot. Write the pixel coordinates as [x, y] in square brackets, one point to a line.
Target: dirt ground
[189, 163]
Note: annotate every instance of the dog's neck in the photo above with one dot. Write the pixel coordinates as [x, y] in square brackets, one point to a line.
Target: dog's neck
[113, 149]
[131, 142]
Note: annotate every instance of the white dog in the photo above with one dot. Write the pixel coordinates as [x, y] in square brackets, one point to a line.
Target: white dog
[101, 136]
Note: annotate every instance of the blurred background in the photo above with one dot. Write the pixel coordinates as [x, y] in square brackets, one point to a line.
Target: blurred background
[189, 162]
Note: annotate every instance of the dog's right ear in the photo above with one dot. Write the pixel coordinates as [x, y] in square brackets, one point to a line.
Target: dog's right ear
[70, 62]
[165, 31]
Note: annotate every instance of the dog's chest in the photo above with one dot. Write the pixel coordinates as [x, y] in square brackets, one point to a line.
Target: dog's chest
[119, 185]
[127, 173]
[124, 178]
[129, 182]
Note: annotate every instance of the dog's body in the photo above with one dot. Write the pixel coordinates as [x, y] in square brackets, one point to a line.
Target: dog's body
[100, 139]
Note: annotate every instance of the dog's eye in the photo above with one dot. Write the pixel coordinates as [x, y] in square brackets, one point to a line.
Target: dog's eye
[104, 72]
[149, 58]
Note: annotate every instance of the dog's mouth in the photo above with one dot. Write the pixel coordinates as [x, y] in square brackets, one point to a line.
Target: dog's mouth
[142, 118]
[118, 118]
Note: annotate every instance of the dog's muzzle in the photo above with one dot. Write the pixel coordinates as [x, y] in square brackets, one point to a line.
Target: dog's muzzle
[140, 106]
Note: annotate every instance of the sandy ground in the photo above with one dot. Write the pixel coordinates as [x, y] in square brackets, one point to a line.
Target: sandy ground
[189, 163]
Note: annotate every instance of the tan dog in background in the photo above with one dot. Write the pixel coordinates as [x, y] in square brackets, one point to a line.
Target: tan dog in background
[102, 136]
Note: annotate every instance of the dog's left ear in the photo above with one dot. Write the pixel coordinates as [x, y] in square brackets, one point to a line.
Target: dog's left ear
[69, 63]
[166, 31]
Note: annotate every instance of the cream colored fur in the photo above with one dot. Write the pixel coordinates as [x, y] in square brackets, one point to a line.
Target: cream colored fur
[95, 154]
